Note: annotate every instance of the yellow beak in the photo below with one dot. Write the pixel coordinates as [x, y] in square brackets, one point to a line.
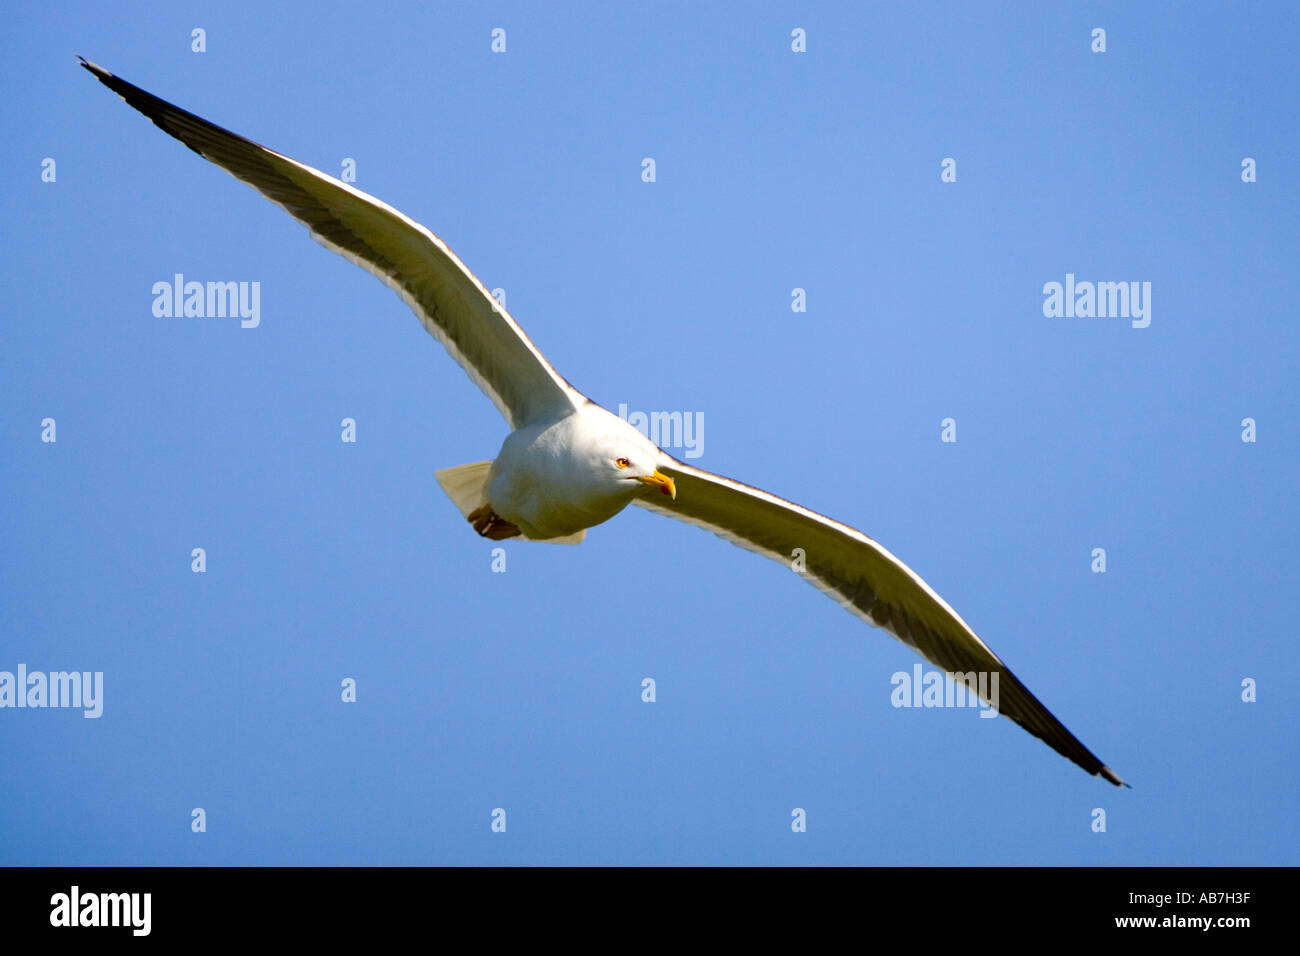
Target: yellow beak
[662, 482]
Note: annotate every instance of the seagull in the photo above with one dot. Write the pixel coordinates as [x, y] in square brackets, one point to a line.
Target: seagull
[568, 464]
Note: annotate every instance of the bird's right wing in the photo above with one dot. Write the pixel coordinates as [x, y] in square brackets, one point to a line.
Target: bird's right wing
[866, 579]
[451, 303]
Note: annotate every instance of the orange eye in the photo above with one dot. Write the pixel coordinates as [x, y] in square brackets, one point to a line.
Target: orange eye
[622, 462]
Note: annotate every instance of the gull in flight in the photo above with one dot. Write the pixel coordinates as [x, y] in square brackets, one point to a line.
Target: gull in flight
[569, 464]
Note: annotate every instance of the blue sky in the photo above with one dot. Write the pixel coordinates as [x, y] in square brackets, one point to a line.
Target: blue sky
[521, 690]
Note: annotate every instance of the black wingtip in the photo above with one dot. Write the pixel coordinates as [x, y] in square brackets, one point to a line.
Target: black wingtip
[1114, 778]
[95, 69]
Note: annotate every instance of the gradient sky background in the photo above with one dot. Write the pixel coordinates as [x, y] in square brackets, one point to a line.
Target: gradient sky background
[522, 690]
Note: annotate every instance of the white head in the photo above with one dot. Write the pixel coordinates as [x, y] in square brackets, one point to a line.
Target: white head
[622, 459]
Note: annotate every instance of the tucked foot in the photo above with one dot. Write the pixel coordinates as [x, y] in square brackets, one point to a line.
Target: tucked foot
[491, 525]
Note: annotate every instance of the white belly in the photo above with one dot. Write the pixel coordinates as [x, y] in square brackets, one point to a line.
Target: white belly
[547, 478]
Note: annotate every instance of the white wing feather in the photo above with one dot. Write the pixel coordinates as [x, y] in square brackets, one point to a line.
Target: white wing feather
[452, 304]
[866, 580]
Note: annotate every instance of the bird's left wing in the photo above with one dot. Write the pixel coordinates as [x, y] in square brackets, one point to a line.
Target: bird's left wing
[866, 579]
[452, 304]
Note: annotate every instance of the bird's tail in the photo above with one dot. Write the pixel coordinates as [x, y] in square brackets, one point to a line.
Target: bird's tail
[467, 487]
